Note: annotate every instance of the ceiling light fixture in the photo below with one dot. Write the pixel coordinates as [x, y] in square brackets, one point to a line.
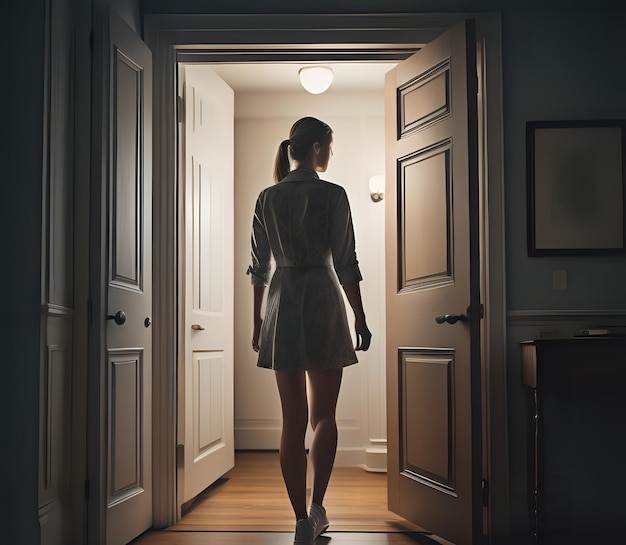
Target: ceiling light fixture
[316, 79]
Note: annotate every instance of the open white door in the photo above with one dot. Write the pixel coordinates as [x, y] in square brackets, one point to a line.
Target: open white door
[120, 399]
[206, 258]
[433, 299]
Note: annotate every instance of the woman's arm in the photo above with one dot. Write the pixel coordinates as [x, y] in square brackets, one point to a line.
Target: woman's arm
[363, 334]
[259, 291]
[260, 268]
[347, 266]
[341, 236]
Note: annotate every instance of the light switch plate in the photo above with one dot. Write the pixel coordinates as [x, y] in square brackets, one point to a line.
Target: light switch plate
[559, 280]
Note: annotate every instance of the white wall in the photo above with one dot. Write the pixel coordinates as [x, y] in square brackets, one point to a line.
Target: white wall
[262, 122]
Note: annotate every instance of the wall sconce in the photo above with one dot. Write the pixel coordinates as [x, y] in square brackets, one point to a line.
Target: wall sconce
[316, 79]
[377, 187]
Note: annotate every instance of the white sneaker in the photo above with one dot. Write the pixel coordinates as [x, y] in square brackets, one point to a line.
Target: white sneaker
[304, 533]
[318, 519]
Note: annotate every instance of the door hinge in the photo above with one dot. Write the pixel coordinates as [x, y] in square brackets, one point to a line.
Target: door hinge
[86, 489]
[179, 108]
[485, 489]
[180, 455]
[481, 311]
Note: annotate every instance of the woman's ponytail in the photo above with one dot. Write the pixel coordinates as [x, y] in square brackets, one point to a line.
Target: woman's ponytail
[281, 164]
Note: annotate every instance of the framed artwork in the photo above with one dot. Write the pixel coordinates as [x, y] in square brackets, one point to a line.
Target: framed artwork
[576, 189]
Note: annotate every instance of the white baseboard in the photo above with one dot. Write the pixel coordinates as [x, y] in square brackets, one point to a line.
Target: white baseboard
[267, 438]
[376, 459]
[372, 459]
[350, 457]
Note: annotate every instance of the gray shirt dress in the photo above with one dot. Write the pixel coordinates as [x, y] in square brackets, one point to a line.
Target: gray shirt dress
[305, 224]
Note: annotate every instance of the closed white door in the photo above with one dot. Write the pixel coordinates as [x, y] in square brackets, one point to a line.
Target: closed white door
[206, 397]
[433, 296]
[121, 285]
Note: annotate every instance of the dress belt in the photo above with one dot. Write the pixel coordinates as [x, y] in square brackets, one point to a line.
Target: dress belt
[302, 266]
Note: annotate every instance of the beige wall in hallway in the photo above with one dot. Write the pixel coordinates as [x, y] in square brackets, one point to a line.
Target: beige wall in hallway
[262, 121]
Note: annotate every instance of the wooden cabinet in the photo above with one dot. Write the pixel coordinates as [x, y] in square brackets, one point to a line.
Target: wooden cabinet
[577, 438]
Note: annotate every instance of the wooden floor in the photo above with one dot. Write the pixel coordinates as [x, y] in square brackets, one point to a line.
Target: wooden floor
[252, 497]
[167, 537]
[250, 507]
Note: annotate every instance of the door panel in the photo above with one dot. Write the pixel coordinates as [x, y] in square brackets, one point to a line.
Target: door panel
[424, 197]
[433, 358]
[427, 400]
[125, 404]
[126, 235]
[59, 430]
[208, 401]
[122, 237]
[206, 397]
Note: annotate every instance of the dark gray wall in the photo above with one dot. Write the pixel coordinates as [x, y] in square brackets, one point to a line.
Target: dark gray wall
[128, 9]
[558, 65]
[22, 34]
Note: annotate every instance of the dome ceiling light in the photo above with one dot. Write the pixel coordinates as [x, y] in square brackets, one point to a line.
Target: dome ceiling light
[316, 79]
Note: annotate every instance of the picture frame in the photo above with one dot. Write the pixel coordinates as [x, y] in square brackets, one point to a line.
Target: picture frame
[576, 187]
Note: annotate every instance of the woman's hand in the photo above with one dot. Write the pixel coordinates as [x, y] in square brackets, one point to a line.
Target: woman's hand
[363, 335]
[256, 333]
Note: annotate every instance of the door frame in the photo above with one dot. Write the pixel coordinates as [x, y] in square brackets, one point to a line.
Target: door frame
[250, 38]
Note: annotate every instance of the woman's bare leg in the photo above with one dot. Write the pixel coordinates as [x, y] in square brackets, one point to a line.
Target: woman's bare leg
[323, 393]
[293, 398]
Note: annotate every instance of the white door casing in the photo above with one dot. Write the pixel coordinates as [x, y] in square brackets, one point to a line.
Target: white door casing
[172, 36]
[433, 295]
[206, 396]
[120, 403]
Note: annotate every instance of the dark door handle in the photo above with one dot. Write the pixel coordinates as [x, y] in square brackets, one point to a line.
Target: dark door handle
[454, 318]
[451, 318]
[120, 317]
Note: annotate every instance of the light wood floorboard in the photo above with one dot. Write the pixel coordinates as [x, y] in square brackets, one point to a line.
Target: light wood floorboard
[168, 537]
[252, 497]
